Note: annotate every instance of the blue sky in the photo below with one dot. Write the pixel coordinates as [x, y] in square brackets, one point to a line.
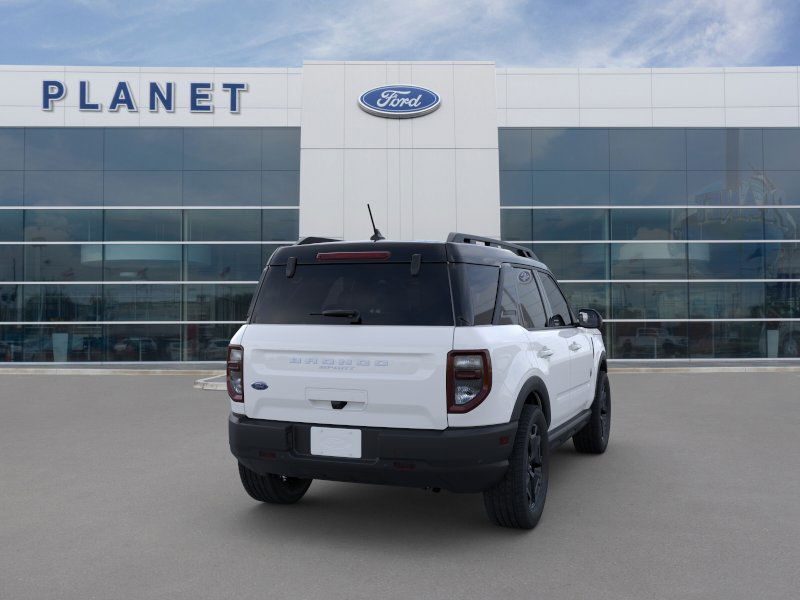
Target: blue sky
[586, 33]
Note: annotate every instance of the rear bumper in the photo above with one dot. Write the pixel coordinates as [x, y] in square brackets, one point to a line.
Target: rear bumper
[469, 459]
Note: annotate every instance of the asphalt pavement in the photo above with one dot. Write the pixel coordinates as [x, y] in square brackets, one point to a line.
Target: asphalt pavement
[115, 486]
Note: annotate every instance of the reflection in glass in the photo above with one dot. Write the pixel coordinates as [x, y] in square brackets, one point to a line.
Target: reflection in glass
[143, 148]
[783, 340]
[10, 305]
[650, 339]
[726, 300]
[280, 148]
[727, 340]
[563, 188]
[62, 343]
[575, 261]
[515, 149]
[782, 148]
[636, 300]
[648, 187]
[143, 342]
[726, 261]
[63, 225]
[516, 225]
[63, 262]
[280, 188]
[222, 225]
[783, 299]
[11, 263]
[221, 148]
[587, 295]
[11, 188]
[12, 148]
[648, 149]
[724, 149]
[280, 224]
[142, 225]
[10, 226]
[146, 262]
[142, 302]
[62, 303]
[208, 342]
[648, 224]
[218, 302]
[782, 260]
[63, 148]
[221, 188]
[516, 188]
[142, 188]
[63, 188]
[570, 149]
[726, 224]
[648, 261]
[557, 224]
[731, 188]
[234, 262]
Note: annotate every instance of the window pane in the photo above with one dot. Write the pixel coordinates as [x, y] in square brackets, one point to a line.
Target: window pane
[239, 262]
[221, 188]
[648, 224]
[68, 262]
[724, 149]
[218, 302]
[727, 340]
[516, 224]
[474, 293]
[557, 188]
[280, 148]
[280, 188]
[575, 261]
[63, 225]
[63, 343]
[726, 224]
[222, 148]
[61, 302]
[559, 308]
[782, 148]
[142, 225]
[10, 226]
[783, 187]
[222, 225]
[516, 188]
[578, 224]
[12, 147]
[143, 342]
[783, 299]
[143, 148]
[280, 224]
[11, 340]
[64, 188]
[11, 188]
[729, 188]
[726, 261]
[142, 302]
[587, 295]
[651, 339]
[154, 262]
[648, 187]
[10, 309]
[649, 300]
[782, 261]
[515, 149]
[648, 261]
[530, 300]
[142, 188]
[783, 341]
[63, 148]
[781, 223]
[11, 263]
[208, 342]
[570, 149]
[648, 149]
[726, 300]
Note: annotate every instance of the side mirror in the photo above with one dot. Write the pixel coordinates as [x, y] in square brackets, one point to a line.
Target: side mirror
[589, 318]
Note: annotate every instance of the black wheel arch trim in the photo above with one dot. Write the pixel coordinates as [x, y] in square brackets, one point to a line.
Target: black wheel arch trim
[534, 385]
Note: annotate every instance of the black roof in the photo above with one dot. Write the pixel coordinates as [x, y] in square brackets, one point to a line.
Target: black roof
[401, 252]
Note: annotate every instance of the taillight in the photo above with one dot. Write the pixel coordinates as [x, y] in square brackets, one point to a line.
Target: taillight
[469, 379]
[235, 373]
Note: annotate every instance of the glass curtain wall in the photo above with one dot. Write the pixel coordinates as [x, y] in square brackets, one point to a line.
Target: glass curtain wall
[138, 244]
[685, 240]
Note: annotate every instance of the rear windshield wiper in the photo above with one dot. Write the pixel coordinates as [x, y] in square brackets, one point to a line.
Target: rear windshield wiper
[347, 313]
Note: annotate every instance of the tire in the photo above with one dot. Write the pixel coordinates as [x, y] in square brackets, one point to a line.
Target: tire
[593, 438]
[517, 501]
[274, 489]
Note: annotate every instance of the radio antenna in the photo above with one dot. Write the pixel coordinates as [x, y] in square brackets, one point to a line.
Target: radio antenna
[377, 235]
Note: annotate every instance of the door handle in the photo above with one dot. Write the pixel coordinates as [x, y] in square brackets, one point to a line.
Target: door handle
[574, 347]
[545, 352]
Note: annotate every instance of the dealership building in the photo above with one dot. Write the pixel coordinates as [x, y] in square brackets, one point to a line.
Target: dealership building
[138, 206]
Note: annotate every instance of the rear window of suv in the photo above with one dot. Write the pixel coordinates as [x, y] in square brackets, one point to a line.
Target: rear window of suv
[382, 294]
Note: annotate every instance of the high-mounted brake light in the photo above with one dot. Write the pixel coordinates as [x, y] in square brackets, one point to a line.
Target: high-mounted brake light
[469, 379]
[234, 373]
[366, 255]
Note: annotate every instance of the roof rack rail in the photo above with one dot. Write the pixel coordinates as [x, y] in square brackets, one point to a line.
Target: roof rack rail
[315, 240]
[466, 238]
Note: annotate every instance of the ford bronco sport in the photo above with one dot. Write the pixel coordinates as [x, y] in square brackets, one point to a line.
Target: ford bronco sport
[456, 365]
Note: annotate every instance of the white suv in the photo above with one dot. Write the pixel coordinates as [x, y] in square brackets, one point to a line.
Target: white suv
[456, 365]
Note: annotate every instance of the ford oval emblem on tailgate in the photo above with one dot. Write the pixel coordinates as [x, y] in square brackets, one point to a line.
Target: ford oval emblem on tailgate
[259, 385]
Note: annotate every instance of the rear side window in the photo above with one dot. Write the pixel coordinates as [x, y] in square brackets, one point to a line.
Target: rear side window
[530, 300]
[557, 301]
[382, 294]
[475, 291]
[508, 298]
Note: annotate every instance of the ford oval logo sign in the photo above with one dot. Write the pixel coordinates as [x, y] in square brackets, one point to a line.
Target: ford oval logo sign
[399, 101]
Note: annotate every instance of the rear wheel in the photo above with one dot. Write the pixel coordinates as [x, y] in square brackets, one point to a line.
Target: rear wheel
[275, 489]
[593, 438]
[518, 500]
